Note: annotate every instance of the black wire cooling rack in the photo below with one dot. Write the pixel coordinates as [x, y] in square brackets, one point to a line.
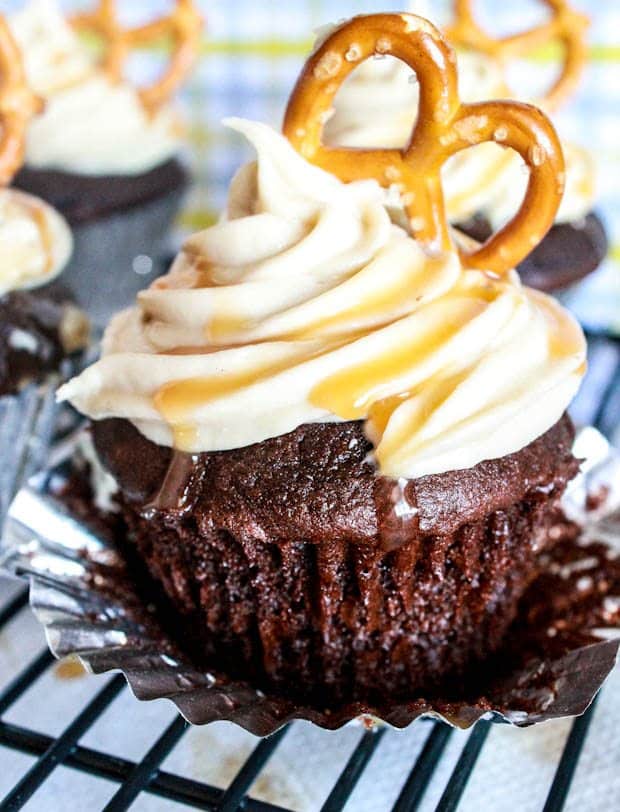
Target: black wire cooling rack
[599, 404]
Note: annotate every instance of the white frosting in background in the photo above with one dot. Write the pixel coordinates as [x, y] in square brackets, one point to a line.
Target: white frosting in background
[377, 106]
[35, 241]
[90, 125]
[377, 103]
[306, 304]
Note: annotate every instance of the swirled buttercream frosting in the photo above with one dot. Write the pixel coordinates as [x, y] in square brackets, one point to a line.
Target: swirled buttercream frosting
[35, 241]
[90, 124]
[305, 303]
[377, 107]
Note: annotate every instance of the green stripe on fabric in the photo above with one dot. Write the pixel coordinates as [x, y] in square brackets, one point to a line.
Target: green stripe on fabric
[553, 53]
[273, 48]
[605, 53]
[283, 48]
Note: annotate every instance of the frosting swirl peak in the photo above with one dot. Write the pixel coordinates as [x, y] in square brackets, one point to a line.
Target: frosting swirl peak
[305, 304]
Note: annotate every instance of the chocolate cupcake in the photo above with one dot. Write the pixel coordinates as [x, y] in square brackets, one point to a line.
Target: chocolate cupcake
[484, 186]
[339, 445]
[104, 153]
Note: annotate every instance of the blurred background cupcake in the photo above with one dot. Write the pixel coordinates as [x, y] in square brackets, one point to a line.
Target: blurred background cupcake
[104, 152]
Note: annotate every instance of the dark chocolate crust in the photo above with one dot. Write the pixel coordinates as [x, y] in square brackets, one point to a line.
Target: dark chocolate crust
[30, 339]
[568, 253]
[81, 198]
[282, 564]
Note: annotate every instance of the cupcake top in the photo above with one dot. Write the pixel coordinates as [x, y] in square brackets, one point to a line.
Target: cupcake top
[378, 105]
[92, 123]
[305, 304]
[35, 241]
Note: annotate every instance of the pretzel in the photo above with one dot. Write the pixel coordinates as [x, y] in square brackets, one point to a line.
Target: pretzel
[183, 25]
[444, 126]
[566, 26]
[18, 104]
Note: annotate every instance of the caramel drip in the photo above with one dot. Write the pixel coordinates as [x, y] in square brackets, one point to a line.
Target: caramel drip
[436, 391]
[563, 338]
[40, 218]
[174, 489]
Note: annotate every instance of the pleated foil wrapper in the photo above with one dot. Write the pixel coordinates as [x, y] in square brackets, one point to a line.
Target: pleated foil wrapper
[28, 421]
[557, 655]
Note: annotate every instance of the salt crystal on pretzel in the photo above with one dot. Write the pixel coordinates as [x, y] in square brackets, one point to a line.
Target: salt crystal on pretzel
[184, 25]
[18, 104]
[444, 127]
[565, 25]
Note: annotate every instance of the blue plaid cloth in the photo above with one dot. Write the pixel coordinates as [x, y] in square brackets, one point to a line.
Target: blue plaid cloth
[252, 55]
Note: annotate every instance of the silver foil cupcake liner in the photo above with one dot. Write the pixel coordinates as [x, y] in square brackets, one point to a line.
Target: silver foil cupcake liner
[115, 257]
[27, 425]
[83, 593]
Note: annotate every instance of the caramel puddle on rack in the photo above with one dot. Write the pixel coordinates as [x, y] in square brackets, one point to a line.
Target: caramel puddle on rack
[69, 668]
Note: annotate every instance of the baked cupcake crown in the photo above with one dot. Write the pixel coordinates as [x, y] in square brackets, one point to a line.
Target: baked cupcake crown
[18, 104]
[183, 25]
[444, 126]
[565, 25]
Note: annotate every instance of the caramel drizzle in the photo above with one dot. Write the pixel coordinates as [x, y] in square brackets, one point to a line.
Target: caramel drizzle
[357, 390]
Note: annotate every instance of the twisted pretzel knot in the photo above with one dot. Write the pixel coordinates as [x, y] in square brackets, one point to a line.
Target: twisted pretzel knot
[18, 104]
[444, 126]
[565, 25]
[183, 25]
